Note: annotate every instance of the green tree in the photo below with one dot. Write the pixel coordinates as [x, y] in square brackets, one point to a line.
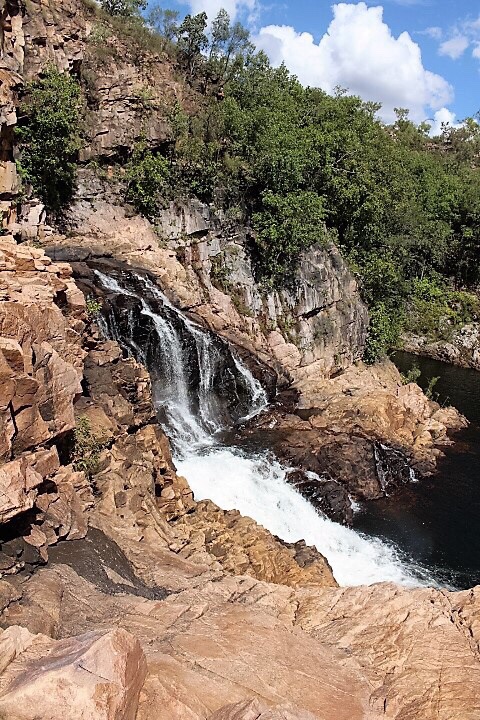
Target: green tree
[191, 39]
[164, 22]
[49, 134]
[283, 228]
[123, 8]
[227, 43]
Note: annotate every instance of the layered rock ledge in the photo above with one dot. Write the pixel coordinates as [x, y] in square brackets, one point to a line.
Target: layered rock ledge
[150, 604]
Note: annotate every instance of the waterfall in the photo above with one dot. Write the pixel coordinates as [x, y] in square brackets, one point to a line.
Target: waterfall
[200, 389]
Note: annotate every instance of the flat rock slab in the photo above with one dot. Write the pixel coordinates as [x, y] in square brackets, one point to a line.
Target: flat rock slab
[99, 560]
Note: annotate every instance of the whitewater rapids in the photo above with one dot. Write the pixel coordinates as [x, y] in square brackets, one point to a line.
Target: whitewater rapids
[253, 483]
[256, 486]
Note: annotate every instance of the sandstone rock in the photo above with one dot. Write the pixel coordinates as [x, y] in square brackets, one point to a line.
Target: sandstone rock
[378, 652]
[18, 488]
[243, 547]
[328, 320]
[96, 675]
[40, 353]
[253, 710]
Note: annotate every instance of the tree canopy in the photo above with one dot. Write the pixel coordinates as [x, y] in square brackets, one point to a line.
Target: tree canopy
[300, 167]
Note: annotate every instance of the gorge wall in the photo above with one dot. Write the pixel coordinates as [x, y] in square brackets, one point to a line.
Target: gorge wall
[297, 339]
[154, 605]
[120, 595]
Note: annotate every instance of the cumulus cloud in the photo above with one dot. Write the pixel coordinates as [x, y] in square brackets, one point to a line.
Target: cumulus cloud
[233, 7]
[359, 52]
[444, 116]
[455, 47]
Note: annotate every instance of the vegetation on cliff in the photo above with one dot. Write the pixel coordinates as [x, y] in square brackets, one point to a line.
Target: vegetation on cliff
[301, 167]
[49, 134]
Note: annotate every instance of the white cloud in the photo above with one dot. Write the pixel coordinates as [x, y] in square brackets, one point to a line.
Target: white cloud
[455, 47]
[441, 117]
[463, 35]
[233, 7]
[359, 52]
[436, 33]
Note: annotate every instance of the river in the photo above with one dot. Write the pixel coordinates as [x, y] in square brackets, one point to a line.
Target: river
[437, 521]
[201, 389]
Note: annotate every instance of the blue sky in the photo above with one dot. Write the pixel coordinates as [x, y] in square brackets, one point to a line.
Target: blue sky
[420, 54]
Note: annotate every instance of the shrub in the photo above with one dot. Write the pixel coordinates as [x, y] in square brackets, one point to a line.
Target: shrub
[429, 392]
[412, 375]
[436, 311]
[383, 332]
[284, 227]
[49, 133]
[123, 8]
[147, 177]
[93, 307]
[86, 449]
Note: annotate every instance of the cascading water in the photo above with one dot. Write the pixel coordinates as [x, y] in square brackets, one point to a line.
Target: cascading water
[200, 389]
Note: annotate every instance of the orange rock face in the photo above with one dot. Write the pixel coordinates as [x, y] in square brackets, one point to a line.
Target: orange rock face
[97, 675]
[41, 360]
[41, 367]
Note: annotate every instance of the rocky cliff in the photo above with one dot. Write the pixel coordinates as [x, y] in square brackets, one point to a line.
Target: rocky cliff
[199, 257]
[120, 595]
[154, 605]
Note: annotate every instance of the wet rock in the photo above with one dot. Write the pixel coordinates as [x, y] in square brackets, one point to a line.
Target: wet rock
[229, 397]
[325, 494]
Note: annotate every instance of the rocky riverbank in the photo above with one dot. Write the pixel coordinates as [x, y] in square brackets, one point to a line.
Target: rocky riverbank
[165, 606]
[121, 596]
[462, 349]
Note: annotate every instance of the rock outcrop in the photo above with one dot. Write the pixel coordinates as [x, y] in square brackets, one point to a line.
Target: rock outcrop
[228, 644]
[462, 349]
[97, 675]
[361, 434]
[315, 330]
[41, 368]
[151, 605]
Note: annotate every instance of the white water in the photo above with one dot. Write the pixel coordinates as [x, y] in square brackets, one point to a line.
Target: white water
[253, 483]
[256, 486]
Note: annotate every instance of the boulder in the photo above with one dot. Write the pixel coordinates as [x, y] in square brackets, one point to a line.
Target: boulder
[97, 675]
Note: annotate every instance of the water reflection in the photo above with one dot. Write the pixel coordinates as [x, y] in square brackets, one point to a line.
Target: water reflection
[437, 521]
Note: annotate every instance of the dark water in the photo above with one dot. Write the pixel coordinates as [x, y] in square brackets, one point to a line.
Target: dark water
[437, 521]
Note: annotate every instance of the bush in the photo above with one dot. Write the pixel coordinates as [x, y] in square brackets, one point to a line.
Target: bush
[383, 332]
[147, 176]
[123, 8]
[93, 307]
[436, 311]
[49, 133]
[86, 449]
[412, 375]
[284, 227]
